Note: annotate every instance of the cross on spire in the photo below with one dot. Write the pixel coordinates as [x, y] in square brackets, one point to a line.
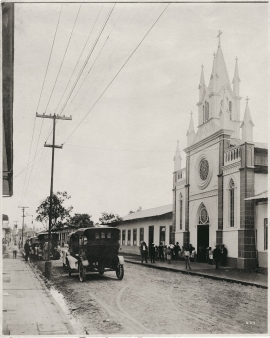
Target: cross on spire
[247, 99]
[219, 33]
[191, 114]
[202, 66]
[236, 59]
[214, 54]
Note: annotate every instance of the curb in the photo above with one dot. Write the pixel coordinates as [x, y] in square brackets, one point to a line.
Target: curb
[61, 312]
[200, 274]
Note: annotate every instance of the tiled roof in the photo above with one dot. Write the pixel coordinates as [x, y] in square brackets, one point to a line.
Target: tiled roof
[149, 212]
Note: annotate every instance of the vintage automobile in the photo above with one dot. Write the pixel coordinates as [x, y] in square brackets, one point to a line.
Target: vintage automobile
[43, 237]
[94, 250]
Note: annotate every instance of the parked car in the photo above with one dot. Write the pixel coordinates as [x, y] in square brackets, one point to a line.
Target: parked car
[94, 250]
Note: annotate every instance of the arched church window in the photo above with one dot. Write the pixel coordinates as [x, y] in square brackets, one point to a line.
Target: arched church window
[232, 202]
[181, 211]
[203, 215]
[206, 111]
[230, 109]
[203, 113]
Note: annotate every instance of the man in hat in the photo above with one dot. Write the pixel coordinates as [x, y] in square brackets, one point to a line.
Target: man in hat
[217, 256]
[224, 254]
[143, 249]
[176, 250]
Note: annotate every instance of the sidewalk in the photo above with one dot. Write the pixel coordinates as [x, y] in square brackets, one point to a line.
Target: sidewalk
[228, 274]
[28, 307]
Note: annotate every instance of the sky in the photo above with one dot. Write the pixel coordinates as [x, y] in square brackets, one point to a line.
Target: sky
[130, 102]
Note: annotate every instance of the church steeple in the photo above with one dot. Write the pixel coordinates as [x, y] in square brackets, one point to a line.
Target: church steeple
[247, 125]
[236, 80]
[177, 158]
[202, 84]
[191, 131]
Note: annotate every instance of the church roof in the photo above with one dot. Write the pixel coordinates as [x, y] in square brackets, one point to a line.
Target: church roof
[262, 195]
[149, 212]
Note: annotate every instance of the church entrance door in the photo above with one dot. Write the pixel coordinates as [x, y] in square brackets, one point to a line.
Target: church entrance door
[202, 241]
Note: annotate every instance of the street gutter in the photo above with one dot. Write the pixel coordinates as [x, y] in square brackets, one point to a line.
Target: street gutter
[200, 274]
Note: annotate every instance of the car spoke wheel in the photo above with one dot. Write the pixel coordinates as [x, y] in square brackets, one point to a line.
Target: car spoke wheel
[82, 273]
[120, 271]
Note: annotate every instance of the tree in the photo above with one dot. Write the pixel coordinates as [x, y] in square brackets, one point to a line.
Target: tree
[132, 212]
[107, 218]
[81, 221]
[60, 213]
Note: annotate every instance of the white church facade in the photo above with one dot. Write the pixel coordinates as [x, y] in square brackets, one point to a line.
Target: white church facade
[220, 197]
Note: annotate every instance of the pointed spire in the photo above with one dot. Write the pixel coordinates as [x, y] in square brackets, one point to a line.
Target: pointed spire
[247, 125]
[177, 158]
[202, 82]
[236, 80]
[191, 131]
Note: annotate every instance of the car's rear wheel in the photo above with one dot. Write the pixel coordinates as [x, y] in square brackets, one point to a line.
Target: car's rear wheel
[120, 271]
[82, 273]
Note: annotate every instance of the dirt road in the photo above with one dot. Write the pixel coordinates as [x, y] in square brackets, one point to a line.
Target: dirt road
[150, 301]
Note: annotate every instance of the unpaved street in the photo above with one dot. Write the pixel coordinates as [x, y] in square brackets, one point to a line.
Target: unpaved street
[159, 302]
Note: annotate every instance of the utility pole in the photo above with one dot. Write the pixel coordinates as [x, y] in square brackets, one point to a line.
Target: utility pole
[53, 146]
[23, 220]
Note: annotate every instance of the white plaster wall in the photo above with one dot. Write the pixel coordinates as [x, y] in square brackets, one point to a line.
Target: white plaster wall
[226, 201]
[179, 237]
[212, 153]
[230, 240]
[261, 212]
[261, 183]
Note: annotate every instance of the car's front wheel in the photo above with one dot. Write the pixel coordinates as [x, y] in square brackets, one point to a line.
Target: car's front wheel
[120, 271]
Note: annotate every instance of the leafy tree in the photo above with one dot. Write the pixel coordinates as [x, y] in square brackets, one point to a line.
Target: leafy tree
[59, 212]
[107, 218]
[139, 209]
[82, 221]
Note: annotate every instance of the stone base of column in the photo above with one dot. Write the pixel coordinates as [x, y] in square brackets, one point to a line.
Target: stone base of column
[246, 263]
[186, 239]
[219, 237]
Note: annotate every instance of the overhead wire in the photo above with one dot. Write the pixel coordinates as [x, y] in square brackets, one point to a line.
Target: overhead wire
[41, 95]
[117, 73]
[85, 62]
[54, 86]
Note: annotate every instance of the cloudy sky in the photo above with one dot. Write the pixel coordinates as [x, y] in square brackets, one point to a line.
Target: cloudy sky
[130, 104]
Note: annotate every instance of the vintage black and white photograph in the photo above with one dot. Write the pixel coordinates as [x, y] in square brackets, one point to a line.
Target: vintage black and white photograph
[134, 168]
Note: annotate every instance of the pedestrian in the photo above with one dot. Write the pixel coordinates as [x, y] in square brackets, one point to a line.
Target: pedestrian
[152, 253]
[144, 251]
[45, 251]
[224, 254]
[177, 250]
[165, 252]
[169, 254]
[161, 253]
[187, 257]
[15, 250]
[210, 252]
[26, 250]
[19, 245]
[156, 253]
[217, 256]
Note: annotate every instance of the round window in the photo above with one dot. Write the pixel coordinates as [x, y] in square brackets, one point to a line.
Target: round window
[204, 169]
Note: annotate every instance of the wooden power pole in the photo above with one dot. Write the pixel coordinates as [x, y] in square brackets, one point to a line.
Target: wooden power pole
[23, 221]
[53, 146]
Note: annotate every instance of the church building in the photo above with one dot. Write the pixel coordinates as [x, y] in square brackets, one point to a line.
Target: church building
[220, 197]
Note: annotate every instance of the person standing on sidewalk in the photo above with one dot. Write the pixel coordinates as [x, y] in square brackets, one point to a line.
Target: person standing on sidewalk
[161, 253]
[217, 256]
[15, 250]
[169, 254]
[26, 250]
[152, 253]
[143, 249]
[224, 254]
[177, 249]
[187, 257]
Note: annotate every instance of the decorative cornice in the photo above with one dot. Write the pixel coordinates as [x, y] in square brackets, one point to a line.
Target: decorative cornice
[202, 195]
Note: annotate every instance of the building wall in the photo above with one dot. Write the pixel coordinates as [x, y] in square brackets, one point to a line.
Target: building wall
[144, 223]
[260, 183]
[261, 213]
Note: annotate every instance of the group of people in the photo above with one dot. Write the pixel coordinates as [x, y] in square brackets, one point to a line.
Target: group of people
[174, 252]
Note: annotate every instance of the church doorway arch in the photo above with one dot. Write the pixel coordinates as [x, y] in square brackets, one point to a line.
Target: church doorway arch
[202, 234]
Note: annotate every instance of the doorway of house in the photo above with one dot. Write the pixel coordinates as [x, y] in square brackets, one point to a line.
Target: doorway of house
[150, 237]
[202, 241]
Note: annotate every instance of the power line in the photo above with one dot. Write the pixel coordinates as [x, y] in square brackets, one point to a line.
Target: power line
[126, 150]
[118, 71]
[41, 95]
